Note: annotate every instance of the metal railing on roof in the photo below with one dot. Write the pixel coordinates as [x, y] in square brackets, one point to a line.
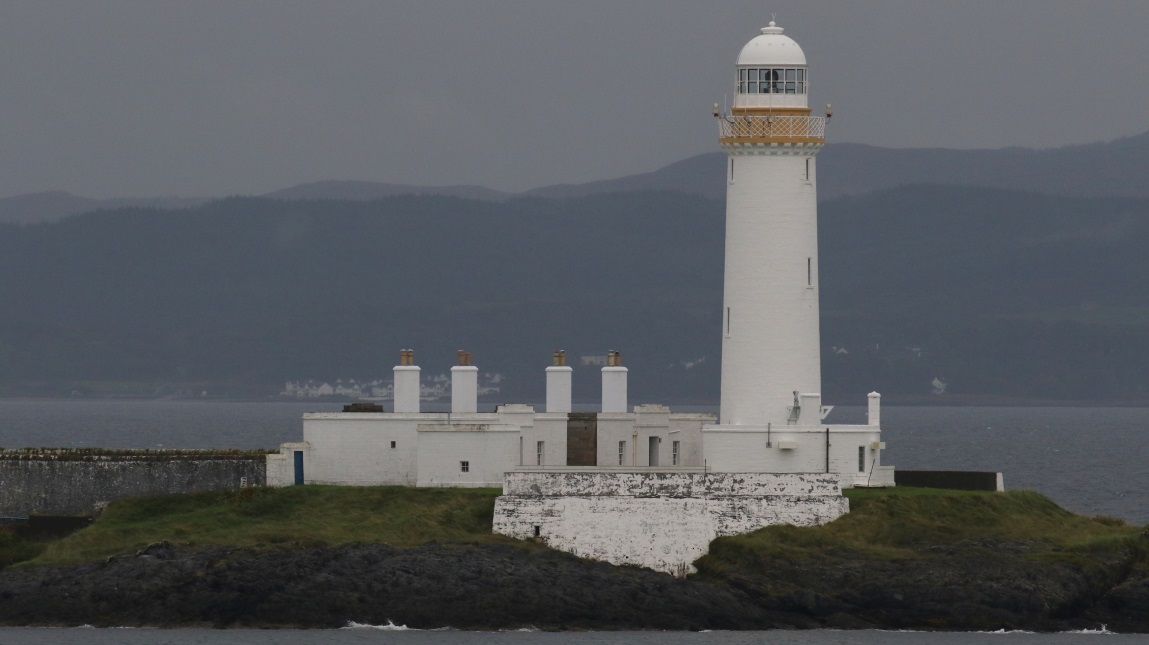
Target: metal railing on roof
[771, 127]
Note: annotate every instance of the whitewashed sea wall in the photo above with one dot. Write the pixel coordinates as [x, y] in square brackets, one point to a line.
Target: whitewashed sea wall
[659, 520]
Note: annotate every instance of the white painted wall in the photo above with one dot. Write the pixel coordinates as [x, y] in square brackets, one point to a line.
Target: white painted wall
[559, 381]
[281, 465]
[664, 521]
[464, 389]
[797, 449]
[355, 448]
[490, 450]
[406, 389]
[770, 343]
[874, 409]
[551, 429]
[614, 389]
[687, 429]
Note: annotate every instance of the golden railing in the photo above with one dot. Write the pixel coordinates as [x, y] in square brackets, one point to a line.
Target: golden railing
[770, 127]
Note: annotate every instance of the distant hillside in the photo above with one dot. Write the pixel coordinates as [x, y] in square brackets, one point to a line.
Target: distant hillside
[990, 292]
[1115, 169]
[50, 206]
[361, 191]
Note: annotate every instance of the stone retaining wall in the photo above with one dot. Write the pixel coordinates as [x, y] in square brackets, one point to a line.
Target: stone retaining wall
[661, 520]
[81, 482]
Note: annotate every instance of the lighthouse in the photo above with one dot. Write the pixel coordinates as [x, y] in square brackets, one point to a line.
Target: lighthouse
[771, 417]
[770, 343]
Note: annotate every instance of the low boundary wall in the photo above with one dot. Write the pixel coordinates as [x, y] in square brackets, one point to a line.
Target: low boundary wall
[661, 520]
[950, 479]
[81, 482]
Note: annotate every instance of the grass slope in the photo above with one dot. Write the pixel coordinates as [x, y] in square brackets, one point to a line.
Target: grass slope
[292, 516]
[884, 524]
[903, 523]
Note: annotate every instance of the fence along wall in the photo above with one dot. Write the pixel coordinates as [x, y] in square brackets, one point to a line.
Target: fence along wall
[82, 481]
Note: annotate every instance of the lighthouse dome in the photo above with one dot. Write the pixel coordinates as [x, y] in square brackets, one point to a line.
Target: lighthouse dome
[772, 73]
[772, 48]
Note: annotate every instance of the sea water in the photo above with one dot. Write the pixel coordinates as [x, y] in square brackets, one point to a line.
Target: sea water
[1090, 460]
[1093, 461]
[388, 635]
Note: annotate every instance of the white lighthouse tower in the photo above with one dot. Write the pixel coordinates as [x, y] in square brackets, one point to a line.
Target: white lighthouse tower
[770, 346]
[771, 404]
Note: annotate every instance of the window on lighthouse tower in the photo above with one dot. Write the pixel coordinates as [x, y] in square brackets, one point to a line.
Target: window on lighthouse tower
[772, 80]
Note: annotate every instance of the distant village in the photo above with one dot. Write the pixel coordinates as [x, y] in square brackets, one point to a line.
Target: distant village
[432, 387]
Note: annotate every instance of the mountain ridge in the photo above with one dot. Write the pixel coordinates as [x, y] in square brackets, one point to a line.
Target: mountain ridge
[1111, 168]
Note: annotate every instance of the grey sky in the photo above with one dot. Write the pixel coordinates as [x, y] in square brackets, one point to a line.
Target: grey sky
[118, 98]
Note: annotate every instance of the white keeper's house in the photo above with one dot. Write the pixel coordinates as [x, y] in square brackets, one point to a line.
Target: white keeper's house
[666, 481]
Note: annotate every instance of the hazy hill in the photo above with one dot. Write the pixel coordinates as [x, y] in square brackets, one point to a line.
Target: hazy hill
[55, 205]
[994, 292]
[1114, 168]
[368, 190]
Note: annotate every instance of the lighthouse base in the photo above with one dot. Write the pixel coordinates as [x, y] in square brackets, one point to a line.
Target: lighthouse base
[851, 451]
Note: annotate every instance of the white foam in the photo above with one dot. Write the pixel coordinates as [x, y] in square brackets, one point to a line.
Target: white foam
[389, 627]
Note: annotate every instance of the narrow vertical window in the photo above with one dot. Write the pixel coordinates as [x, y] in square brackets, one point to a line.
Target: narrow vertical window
[621, 453]
[674, 447]
[809, 272]
[728, 321]
[807, 169]
[732, 170]
[392, 444]
[861, 459]
[539, 454]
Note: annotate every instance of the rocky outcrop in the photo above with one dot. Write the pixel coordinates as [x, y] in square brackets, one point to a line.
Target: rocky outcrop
[466, 587]
[984, 584]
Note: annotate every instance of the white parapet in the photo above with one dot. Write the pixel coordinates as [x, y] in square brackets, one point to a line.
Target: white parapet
[464, 389]
[559, 379]
[664, 520]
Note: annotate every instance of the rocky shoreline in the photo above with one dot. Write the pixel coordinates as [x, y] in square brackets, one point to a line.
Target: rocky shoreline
[968, 585]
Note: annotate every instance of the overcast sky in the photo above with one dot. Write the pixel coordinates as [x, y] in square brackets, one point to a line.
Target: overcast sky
[199, 98]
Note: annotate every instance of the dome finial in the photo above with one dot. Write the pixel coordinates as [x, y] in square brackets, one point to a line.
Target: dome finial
[773, 27]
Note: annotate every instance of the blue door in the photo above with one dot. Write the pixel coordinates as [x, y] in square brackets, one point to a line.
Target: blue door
[298, 467]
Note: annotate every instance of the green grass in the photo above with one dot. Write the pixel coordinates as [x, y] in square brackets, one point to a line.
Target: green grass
[15, 549]
[284, 517]
[902, 522]
[883, 523]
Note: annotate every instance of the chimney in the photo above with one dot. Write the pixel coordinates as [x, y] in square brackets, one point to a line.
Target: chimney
[464, 385]
[874, 411]
[559, 384]
[613, 384]
[406, 388]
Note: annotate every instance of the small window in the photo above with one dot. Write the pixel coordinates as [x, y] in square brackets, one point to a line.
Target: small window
[809, 272]
[807, 169]
[791, 74]
[752, 87]
[861, 459]
[621, 453]
[392, 445]
[464, 466]
[674, 448]
[538, 530]
[539, 453]
[728, 321]
[732, 170]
